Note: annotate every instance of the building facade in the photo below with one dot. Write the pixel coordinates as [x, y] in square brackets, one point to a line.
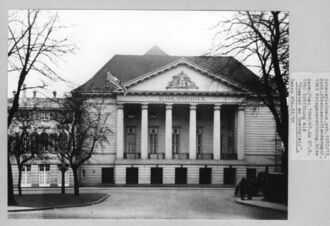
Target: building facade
[184, 120]
[36, 127]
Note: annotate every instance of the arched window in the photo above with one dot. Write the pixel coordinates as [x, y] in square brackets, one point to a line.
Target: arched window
[53, 141]
[13, 140]
[34, 138]
[63, 141]
[44, 141]
[24, 142]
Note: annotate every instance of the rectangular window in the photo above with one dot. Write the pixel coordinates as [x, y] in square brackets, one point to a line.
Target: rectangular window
[130, 140]
[44, 174]
[153, 140]
[66, 176]
[26, 176]
[176, 141]
[199, 140]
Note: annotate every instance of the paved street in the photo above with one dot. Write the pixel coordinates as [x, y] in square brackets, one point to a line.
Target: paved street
[161, 203]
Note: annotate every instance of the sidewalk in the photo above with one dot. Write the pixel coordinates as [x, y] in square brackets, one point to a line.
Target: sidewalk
[260, 202]
[80, 203]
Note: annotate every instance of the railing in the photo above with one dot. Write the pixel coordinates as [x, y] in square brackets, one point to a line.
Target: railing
[228, 156]
[132, 155]
[180, 155]
[156, 155]
[205, 156]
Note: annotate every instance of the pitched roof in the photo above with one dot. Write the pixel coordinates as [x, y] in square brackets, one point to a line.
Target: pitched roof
[128, 67]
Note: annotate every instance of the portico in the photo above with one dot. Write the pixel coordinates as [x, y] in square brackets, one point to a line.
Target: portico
[146, 129]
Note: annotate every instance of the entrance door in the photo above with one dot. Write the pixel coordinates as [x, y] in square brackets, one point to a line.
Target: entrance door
[156, 175]
[229, 175]
[132, 175]
[205, 175]
[107, 175]
[180, 175]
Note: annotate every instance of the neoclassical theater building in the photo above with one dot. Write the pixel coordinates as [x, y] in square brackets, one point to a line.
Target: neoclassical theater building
[184, 120]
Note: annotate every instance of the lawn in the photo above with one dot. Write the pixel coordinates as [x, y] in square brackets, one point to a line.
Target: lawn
[53, 200]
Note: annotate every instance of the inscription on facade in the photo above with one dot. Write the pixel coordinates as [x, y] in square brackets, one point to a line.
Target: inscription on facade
[176, 99]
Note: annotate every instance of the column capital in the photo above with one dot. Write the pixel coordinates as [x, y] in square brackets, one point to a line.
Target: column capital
[241, 107]
[144, 106]
[193, 106]
[217, 106]
[120, 106]
[169, 106]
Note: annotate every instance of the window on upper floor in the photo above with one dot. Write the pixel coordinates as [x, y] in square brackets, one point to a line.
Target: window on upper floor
[130, 140]
[153, 140]
[176, 140]
[199, 140]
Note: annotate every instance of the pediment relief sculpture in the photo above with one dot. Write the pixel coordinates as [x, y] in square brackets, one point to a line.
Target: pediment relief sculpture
[181, 81]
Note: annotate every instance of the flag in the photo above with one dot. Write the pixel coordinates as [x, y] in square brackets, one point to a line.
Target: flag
[114, 80]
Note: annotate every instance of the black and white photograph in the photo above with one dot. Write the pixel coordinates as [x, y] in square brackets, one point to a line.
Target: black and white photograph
[147, 114]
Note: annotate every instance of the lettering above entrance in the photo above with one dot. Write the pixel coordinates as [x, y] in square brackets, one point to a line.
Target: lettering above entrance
[181, 81]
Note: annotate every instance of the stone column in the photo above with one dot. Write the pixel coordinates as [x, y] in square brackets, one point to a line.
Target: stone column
[144, 131]
[240, 133]
[217, 132]
[192, 131]
[168, 131]
[120, 131]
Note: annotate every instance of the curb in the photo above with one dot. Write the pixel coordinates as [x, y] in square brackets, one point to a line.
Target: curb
[260, 206]
[61, 207]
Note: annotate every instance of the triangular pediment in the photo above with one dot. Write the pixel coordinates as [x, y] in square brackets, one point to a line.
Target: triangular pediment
[182, 75]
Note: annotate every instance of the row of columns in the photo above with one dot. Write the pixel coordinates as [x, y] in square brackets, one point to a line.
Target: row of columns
[192, 132]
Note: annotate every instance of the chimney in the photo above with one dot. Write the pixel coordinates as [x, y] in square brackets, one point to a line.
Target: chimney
[14, 93]
[54, 93]
[24, 91]
[34, 94]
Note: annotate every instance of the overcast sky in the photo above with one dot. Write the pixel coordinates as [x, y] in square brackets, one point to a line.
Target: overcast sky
[100, 34]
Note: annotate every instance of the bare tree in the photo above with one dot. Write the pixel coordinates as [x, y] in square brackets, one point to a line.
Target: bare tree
[58, 147]
[86, 127]
[34, 44]
[262, 38]
[22, 144]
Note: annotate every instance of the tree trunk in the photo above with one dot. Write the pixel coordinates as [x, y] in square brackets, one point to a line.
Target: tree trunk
[19, 179]
[76, 181]
[15, 105]
[11, 197]
[63, 182]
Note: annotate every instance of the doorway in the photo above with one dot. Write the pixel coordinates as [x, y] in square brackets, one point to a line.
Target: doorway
[180, 175]
[132, 175]
[156, 175]
[229, 176]
[107, 175]
[205, 175]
